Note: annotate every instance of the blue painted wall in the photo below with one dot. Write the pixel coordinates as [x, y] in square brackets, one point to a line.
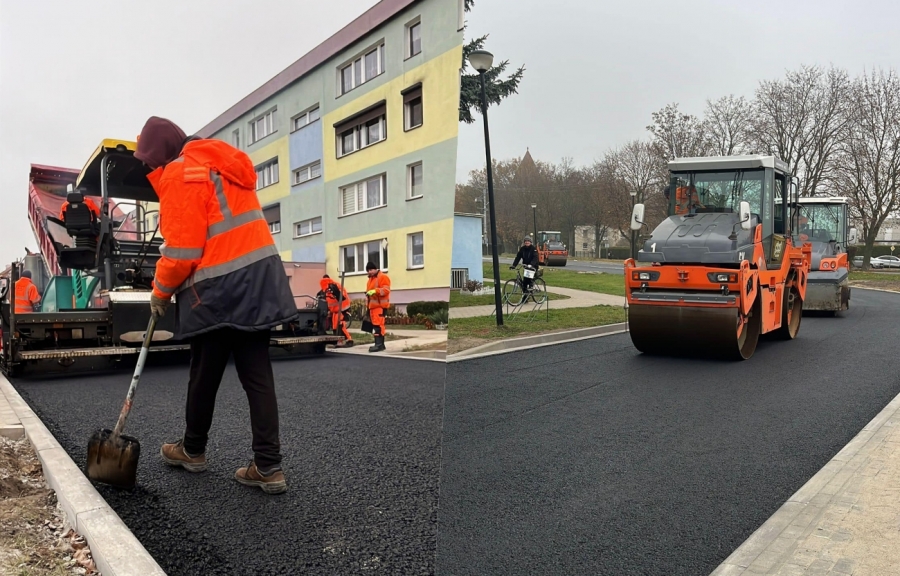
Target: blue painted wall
[467, 245]
[306, 145]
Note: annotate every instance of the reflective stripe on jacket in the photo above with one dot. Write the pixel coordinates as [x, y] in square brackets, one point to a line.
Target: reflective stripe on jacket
[382, 286]
[218, 254]
[26, 296]
[333, 304]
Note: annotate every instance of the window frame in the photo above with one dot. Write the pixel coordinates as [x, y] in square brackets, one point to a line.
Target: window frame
[409, 251]
[305, 114]
[364, 194]
[408, 40]
[410, 96]
[360, 133]
[265, 166]
[236, 138]
[273, 122]
[312, 232]
[360, 58]
[308, 169]
[409, 181]
[359, 263]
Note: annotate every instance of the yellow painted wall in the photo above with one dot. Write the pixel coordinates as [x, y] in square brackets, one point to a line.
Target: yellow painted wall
[438, 237]
[440, 100]
[278, 148]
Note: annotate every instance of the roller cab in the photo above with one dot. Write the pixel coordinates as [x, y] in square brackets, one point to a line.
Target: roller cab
[722, 269]
[823, 222]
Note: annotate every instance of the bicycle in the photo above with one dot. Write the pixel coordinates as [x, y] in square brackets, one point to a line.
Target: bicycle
[514, 291]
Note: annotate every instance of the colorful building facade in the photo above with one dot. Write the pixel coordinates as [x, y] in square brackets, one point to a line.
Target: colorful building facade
[355, 148]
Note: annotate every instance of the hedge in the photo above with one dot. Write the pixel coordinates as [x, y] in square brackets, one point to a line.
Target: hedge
[426, 308]
[877, 250]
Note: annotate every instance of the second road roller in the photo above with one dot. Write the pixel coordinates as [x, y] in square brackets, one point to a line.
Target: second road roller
[722, 269]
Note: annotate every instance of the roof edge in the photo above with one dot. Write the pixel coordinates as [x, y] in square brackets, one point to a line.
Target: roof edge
[359, 27]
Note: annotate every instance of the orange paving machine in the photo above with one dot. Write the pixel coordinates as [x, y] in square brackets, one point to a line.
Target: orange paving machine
[723, 268]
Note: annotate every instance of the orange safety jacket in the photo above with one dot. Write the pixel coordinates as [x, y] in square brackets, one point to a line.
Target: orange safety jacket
[382, 286]
[218, 254]
[26, 296]
[87, 201]
[334, 305]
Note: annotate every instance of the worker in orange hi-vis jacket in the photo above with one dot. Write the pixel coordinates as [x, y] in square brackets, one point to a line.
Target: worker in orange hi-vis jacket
[378, 292]
[27, 295]
[221, 261]
[338, 304]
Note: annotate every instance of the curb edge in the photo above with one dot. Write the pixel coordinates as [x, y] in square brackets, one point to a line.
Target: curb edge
[115, 549]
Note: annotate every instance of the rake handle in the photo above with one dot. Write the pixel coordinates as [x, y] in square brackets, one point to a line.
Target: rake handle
[145, 347]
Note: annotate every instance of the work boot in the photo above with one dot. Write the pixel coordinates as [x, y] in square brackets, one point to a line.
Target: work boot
[174, 455]
[272, 483]
[348, 344]
[379, 344]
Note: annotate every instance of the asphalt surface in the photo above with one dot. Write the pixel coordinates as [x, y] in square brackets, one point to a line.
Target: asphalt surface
[361, 445]
[589, 458]
[580, 265]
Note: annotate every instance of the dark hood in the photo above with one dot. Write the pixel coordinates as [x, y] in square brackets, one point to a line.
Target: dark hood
[160, 142]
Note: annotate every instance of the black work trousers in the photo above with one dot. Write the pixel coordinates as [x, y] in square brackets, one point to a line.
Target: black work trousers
[210, 353]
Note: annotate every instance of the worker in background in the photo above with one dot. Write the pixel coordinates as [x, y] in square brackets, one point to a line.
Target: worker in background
[220, 259]
[686, 199]
[27, 295]
[528, 254]
[338, 306]
[378, 294]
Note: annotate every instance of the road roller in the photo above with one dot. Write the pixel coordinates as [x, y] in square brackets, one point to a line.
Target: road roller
[551, 250]
[722, 269]
[824, 223]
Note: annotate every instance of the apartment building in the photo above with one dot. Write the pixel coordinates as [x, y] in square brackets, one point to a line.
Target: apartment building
[355, 148]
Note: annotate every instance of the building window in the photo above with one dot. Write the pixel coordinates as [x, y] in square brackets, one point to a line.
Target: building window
[362, 130]
[236, 138]
[356, 256]
[362, 69]
[306, 118]
[308, 172]
[262, 126]
[412, 108]
[365, 195]
[273, 218]
[267, 174]
[308, 227]
[415, 250]
[413, 39]
[414, 176]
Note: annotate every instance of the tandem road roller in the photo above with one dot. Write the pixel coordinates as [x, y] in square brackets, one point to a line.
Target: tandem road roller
[722, 268]
[824, 223]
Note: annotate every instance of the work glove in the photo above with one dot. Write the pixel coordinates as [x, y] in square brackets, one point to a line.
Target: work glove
[158, 305]
[512, 267]
[370, 292]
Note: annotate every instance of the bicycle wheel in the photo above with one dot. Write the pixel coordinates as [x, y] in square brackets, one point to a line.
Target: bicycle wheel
[512, 292]
[539, 291]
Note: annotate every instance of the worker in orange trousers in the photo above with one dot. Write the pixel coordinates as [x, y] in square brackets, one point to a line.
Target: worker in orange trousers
[378, 293]
[338, 305]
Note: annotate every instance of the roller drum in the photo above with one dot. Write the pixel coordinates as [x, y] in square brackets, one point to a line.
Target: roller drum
[693, 331]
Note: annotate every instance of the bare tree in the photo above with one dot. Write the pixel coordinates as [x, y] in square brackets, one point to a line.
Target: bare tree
[869, 157]
[726, 124]
[636, 168]
[802, 119]
[677, 135]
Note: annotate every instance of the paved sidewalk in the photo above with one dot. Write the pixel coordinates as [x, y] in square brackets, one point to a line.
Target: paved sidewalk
[410, 339]
[10, 424]
[577, 299]
[845, 520]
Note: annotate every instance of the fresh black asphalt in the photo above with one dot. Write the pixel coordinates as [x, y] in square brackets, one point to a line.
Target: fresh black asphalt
[590, 458]
[361, 444]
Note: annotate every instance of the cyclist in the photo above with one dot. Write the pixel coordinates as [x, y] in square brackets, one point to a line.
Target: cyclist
[528, 254]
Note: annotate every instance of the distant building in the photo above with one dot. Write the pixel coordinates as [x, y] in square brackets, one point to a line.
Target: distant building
[355, 148]
[585, 241]
[467, 244]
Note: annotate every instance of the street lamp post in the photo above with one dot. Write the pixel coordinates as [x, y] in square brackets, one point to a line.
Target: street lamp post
[534, 217]
[633, 233]
[481, 61]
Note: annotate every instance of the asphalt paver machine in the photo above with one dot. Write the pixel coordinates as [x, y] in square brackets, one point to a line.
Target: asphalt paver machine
[722, 268]
[95, 305]
[824, 223]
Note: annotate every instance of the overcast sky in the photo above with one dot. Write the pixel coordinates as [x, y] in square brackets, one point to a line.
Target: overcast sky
[596, 70]
[73, 73]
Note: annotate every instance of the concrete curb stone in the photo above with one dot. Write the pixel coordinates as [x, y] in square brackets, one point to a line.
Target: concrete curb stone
[536, 341]
[116, 551]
